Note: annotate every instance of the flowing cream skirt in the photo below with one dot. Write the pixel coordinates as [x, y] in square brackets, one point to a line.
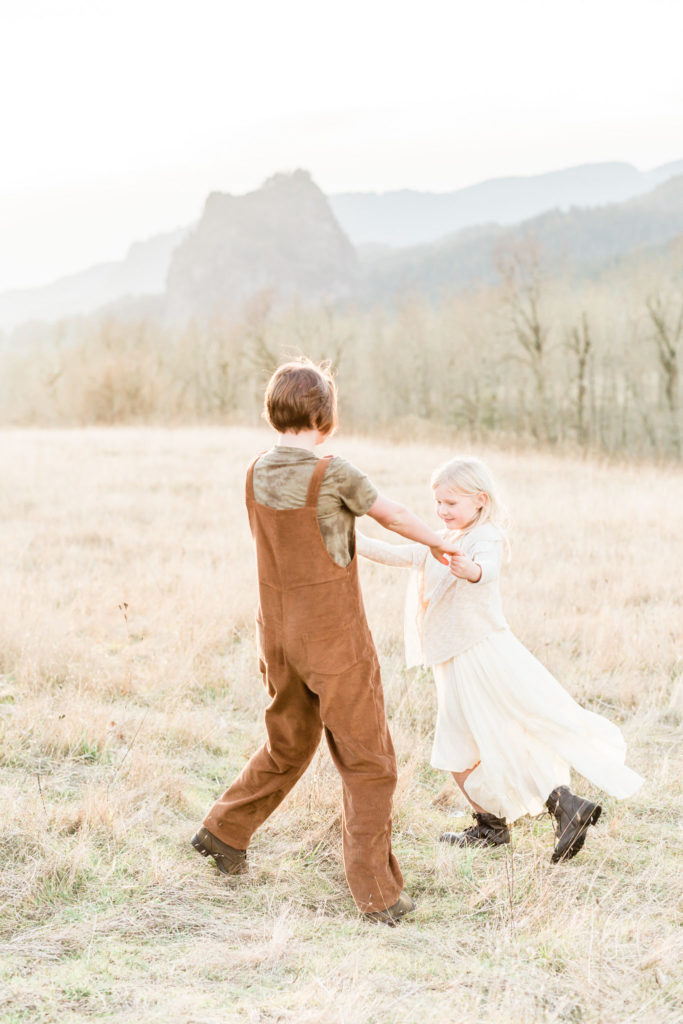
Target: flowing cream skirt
[498, 705]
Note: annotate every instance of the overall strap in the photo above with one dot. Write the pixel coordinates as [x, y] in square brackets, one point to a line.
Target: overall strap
[249, 489]
[316, 480]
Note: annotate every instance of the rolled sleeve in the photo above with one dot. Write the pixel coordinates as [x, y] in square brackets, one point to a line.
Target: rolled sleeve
[354, 488]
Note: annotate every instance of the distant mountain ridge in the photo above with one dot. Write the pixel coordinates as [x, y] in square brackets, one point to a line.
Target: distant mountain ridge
[406, 218]
[579, 242]
[285, 237]
[142, 272]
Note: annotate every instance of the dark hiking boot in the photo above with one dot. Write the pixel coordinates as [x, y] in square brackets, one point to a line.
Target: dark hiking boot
[392, 915]
[572, 814]
[488, 830]
[228, 860]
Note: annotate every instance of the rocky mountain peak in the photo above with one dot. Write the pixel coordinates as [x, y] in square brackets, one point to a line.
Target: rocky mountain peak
[281, 237]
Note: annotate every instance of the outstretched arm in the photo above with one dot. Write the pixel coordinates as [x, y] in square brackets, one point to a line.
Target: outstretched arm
[399, 519]
[406, 555]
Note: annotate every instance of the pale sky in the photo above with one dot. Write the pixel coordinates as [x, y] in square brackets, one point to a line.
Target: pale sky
[119, 116]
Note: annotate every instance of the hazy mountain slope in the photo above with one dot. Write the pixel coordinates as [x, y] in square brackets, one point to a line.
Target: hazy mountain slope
[664, 173]
[141, 272]
[579, 242]
[282, 237]
[409, 218]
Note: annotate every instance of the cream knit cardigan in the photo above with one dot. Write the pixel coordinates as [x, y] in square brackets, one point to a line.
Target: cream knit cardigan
[445, 615]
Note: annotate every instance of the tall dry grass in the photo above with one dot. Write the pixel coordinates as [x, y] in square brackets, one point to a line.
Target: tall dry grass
[129, 694]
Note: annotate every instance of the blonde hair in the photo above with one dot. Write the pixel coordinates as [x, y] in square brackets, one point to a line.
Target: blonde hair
[471, 476]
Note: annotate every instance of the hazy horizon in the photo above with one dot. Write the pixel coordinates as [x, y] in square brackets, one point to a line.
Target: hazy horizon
[125, 116]
[140, 234]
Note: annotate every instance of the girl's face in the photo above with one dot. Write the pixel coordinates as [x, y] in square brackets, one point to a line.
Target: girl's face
[457, 510]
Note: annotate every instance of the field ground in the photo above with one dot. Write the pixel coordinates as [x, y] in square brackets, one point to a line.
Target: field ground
[129, 694]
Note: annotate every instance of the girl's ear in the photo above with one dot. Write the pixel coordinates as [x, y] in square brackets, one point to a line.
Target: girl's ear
[483, 499]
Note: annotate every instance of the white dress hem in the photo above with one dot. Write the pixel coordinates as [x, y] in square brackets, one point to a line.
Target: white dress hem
[499, 706]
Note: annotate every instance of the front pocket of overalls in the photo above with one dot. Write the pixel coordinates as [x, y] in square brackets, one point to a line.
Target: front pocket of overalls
[332, 653]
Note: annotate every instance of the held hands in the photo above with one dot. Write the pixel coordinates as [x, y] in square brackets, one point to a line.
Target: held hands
[460, 565]
[464, 568]
[442, 552]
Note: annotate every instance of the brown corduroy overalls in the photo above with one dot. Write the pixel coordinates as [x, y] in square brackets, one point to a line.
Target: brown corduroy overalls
[321, 670]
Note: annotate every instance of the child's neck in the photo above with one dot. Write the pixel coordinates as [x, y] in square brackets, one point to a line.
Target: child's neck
[462, 529]
[307, 439]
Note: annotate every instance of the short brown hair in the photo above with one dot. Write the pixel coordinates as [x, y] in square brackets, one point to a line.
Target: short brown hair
[301, 396]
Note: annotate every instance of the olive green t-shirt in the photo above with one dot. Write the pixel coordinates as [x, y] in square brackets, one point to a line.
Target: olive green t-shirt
[281, 479]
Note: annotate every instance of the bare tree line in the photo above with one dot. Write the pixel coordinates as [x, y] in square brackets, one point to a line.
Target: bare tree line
[590, 364]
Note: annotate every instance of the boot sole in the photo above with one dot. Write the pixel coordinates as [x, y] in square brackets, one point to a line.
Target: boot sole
[239, 868]
[575, 844]
[384, 917]
[453, 839]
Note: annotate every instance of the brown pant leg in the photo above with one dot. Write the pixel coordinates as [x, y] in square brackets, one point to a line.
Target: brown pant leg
[294, 728]
[352, 709]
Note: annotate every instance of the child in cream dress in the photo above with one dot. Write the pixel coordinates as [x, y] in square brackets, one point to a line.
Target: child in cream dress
[505, 728]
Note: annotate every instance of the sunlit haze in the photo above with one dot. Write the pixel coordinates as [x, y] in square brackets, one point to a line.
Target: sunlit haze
[119, 117]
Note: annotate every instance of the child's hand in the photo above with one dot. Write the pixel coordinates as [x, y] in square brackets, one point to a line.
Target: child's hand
[442, 552]
[464, 568]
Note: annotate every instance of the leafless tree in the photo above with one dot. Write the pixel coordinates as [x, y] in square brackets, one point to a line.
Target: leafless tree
[666, 317]
[520, 268]
[580, 344]
[259, 352]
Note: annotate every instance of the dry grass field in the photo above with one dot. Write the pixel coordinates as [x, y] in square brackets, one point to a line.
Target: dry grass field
[129, 695]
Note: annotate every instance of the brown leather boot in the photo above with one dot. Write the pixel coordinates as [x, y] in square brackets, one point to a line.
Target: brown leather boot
[488, 830]
[572, 814]
[392, 915]
[228, 860]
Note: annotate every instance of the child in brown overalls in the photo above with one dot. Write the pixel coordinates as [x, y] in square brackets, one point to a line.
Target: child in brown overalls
[315, 649]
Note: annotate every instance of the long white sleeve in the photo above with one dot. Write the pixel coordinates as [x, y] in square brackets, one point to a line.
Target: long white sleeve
[406, 555]
[488, 554]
